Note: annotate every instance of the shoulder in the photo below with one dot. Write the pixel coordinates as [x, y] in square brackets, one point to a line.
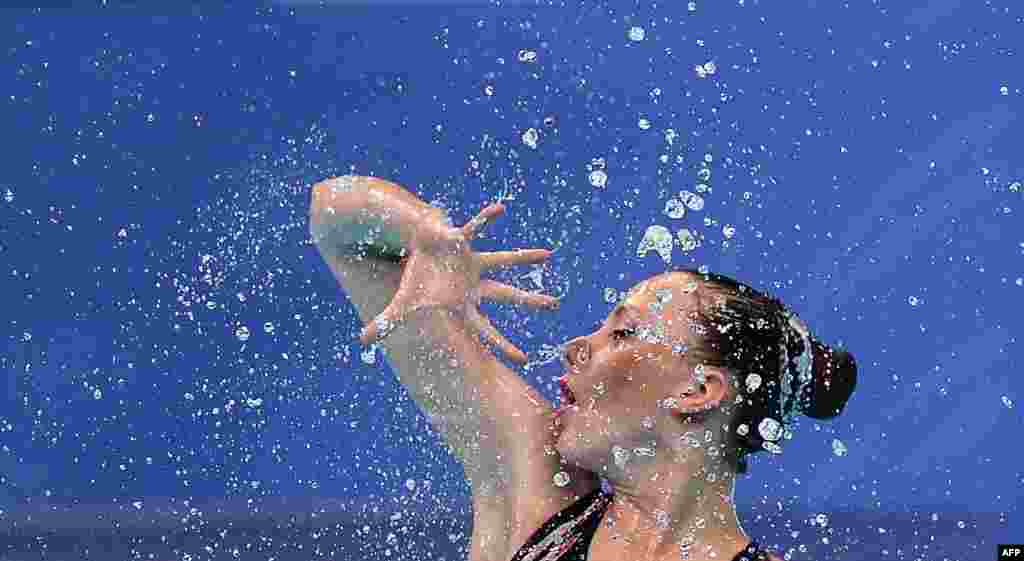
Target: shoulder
[772, 556]
[516, 517]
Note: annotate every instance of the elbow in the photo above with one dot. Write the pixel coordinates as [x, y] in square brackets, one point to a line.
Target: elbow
[327, 193]
[337, 196]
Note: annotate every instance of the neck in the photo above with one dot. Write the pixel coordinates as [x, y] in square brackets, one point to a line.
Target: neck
[664, 507]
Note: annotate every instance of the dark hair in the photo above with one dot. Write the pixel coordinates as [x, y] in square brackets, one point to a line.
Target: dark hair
[742, 330]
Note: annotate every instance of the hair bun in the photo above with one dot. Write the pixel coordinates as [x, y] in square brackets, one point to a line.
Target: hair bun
[835, 377]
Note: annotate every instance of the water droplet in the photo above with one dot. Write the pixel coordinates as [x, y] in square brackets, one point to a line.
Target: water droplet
[709, 68]
[530, 138]
[527, 56]
[561, 479]
[771, 447]
[242, 333]
[656, 238]
[598, 178]
[753, 382]
[536, 275]
[728, 231]
[838, 448]
[97, 394]
[384, 327]
[268, 327]
[620, 455]
[636, 33]
[369, 355]
[687, 240]
[769, 429]
[1007, 402]
[674, 208]
[692, 201]
[610, 295]
[663, 520]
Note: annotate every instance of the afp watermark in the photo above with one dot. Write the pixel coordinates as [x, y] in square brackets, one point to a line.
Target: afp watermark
[1010, 551]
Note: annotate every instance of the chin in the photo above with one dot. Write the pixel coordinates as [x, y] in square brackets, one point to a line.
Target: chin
[582, 451]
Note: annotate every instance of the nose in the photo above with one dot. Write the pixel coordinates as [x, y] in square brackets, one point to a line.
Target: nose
[577, 352]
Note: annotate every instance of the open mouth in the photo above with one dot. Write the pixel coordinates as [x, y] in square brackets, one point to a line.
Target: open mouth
[567, 397]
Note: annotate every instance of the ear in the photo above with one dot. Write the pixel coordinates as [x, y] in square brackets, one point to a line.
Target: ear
[695, 397]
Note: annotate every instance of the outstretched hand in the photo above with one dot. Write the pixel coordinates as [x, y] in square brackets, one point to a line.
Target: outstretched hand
[442, 271]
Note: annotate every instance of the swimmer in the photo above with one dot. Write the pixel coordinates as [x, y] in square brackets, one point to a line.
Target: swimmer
[660, 406]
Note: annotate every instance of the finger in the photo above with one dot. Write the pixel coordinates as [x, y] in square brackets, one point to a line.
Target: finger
[489, 213]
[494, 259]
[379, 328]
[495, 338]
[385, 322]
[501, 292]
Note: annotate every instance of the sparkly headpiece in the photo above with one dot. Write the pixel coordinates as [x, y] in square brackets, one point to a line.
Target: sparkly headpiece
[795, 393]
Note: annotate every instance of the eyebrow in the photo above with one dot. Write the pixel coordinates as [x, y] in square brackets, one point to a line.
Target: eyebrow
[621, 309]
[618, 311]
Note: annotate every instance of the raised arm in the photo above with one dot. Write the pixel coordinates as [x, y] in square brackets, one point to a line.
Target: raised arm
[480, 407]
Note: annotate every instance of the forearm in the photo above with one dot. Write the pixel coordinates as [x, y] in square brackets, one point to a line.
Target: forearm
[458, 383]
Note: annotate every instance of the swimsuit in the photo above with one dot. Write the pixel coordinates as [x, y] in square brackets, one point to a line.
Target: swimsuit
[566, 536]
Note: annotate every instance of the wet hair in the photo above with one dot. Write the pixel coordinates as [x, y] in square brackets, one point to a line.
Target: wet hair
[743, 331]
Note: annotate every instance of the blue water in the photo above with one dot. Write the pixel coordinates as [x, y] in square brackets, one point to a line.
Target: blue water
[181, 379]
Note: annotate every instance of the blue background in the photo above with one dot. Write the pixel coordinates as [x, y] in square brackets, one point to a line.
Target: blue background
[154, 196]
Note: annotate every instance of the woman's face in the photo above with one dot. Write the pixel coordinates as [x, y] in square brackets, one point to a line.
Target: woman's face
[620, 375]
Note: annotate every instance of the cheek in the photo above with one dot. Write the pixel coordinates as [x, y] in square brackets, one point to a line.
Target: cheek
[634, 379]
[632, 396]
[645, 376]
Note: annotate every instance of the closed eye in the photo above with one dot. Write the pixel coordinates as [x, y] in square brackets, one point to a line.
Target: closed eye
[619, 334]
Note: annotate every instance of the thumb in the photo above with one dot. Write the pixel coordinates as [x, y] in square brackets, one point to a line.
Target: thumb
[386, 321]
